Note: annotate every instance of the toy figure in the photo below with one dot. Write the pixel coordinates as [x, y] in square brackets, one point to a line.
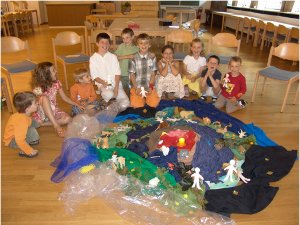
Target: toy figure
[121, 161]
[242, 134]
[197, 177]
[206, 121]
[165, 150]
[105, 142]
[159, 119]
[143, 92]
[231, 168]
[187, 114]
[114, 159]
[226, 81]
[153, 182]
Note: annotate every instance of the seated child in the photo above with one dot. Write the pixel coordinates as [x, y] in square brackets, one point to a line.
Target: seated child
[105, 71]
[232, 88]
[125, 52]
[83, 93]
[20, 130]
[211, 76]
[193, 65]
[142, 69]
[169, 82]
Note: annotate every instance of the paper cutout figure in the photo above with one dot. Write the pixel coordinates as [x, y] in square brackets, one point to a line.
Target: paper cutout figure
[231, 168]
[153, 182]
[241, 177]
[121, 161]
[165, 150]
[197, 178]
[143, 92]
[159, 119]
[226, 81]
[242, 134]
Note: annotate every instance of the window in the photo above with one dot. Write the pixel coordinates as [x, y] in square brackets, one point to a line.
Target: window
[296, 7]
[229, 3]
[244, 3]
[269, 5]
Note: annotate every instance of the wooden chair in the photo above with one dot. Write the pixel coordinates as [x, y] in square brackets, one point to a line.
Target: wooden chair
[179, 38]
[281, 35]
[294, 35]
[268, 35]
[259, 32]
[92, 39]
[19, 73]
[246, 28]
[286, 51]
[5, 92]
[66, 39]
[252, 30]
[226, 40]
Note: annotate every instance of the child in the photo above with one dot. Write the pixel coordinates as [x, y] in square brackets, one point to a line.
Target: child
[193, 65]
[233, 88]
[169, 83]
[211, 76]
[105, 71]
[46, 86]
[83, 92]
[125, 51]
[142, 69]
[20, 130]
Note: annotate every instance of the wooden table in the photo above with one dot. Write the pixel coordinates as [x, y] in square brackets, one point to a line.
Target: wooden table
[99, 11]
[147, 25]
[180, 11]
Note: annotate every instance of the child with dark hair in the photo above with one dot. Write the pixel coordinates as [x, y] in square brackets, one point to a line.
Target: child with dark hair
[125, 52]
[20, 130]
[211, 76]
[105, 71]
[46, 86]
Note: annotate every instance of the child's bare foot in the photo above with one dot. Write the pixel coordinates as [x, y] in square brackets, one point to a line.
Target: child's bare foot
[60, 131]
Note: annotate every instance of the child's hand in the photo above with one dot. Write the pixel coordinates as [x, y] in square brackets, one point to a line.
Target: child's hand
[105, 84]
[194, 78]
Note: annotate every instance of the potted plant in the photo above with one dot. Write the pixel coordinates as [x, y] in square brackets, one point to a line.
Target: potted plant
[126, 7]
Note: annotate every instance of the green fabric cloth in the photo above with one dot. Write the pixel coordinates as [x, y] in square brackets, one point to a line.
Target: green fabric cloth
[125, 50]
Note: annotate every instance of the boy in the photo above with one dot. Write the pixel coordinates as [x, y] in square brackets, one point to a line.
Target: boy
[20, 130]
[233, 87]
[83, 93]
[105, 71]
[142, 69]
[211, 76]
[126, 51]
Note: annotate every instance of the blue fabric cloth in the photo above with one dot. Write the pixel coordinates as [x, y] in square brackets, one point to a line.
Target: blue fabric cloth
[75, 154]
[121, 118]
[19, 67]
[275, 73]
[203, 109]
[80, 58]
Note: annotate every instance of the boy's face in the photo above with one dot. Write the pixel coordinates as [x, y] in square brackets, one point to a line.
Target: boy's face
[235, 67]
[53, 72]
[144, 46]
[86, 79]
[103, 45]
[32, 108]
[127, 39]
[212, 64]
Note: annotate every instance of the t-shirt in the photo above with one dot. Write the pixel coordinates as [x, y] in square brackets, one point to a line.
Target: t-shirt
[83, 91]
[217, 76]
[125, 50]
[105, 67]
[234, 86]
[194, 65]
[17, 127]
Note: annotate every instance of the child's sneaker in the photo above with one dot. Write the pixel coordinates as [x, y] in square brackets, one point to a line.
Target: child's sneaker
[242, 103]
[214, 99]
[203, 98]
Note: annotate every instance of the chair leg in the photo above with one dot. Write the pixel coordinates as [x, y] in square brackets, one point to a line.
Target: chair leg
[66, 77]
[254, 87]
[263, 87]
[286, 95]
[6, 95]
[296, 95]
[262, 43]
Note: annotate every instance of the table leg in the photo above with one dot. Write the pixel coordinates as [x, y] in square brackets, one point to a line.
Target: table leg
[237, 27]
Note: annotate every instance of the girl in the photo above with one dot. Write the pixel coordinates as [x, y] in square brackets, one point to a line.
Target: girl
[169, 83]
[46, 86]
[193, 65]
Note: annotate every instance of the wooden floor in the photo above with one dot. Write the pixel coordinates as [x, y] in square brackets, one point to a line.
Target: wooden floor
[30, 198]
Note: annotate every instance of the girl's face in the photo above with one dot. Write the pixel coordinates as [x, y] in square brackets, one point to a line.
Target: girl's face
[168, 54]
[53, 72]
[196, 49]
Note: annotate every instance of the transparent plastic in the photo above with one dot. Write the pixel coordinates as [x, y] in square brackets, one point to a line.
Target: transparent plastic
[134, 200]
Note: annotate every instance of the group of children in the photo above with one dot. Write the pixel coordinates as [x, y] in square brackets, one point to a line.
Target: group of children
[132, 71]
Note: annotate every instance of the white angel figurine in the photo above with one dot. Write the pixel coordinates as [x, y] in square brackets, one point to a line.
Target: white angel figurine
[143, 92]
[231, 168]
[241, 177]
[226, 80]
[197, 177]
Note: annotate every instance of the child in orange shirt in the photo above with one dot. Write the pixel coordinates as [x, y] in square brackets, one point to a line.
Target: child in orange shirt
[20, 130]
[83, 93]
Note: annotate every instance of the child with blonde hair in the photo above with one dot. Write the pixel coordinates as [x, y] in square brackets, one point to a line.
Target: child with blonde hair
[193, 65]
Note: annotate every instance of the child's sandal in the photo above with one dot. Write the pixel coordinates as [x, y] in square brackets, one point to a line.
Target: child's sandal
[60, 132]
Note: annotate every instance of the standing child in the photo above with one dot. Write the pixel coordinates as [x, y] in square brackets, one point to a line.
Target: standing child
[233, 87]
[211, 76]
[142, 69]
[193, 65]
[83, 92]
[169, 83]
[125, 52]
[105, 71]
[20, 130]
[46, 86]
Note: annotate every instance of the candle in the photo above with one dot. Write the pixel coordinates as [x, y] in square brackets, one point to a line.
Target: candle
[181, 142]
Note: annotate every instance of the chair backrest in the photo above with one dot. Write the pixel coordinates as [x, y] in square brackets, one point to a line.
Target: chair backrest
[253, 23]
[92, 38]
[261, 26]
[270, 27]
[294, 34]
[246, 23]
[287, 51]
[66, 38]
[282, 31]
[224, 40]
[179, 37]
[12, 44]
